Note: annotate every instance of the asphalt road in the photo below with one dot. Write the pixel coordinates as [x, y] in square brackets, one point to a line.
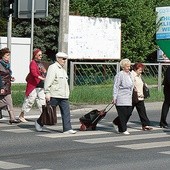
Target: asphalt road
[21, 147]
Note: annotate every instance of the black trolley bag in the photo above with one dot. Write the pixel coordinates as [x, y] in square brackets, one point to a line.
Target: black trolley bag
[89, 121]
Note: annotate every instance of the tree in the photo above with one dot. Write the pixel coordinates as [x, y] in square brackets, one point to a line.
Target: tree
[45, 29]
[138, 25]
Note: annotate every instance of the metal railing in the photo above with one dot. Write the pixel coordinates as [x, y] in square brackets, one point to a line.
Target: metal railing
[95, 73]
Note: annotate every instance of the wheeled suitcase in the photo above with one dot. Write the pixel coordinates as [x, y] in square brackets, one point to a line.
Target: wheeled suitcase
[90, 120]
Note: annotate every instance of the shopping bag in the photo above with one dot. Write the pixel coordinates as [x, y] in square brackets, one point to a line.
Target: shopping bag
[146, 92]
[48, 116]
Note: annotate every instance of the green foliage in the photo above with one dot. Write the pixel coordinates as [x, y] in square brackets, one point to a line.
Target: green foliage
[45, 29]
[138, 24]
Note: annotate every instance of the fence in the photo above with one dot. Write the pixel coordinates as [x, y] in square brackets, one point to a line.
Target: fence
[95, 73]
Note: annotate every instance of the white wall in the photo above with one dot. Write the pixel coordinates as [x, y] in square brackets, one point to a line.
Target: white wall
[20, 57]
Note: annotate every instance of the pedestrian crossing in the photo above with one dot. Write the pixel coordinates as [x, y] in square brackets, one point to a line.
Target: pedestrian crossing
[102, 135]
[137, 140]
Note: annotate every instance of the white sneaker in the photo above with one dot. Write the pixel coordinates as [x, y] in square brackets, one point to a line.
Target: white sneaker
[126, 133]
[38, 127]
[71, 131]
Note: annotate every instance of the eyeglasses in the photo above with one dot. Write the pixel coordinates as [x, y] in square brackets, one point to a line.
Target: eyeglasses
[39, 54]
[63, 58]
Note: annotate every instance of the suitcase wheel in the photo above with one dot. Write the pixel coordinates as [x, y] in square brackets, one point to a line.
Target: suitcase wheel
[83, 127]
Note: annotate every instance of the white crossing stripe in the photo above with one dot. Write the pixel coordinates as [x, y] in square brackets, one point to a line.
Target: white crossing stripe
[9, 165]
[18, 130]
[146, 145]
[122, 138]
[79, 133]
[166, 152]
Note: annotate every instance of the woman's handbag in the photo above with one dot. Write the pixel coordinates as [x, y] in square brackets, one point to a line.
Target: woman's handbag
[48, 116]
[135, 97]
[146, 92]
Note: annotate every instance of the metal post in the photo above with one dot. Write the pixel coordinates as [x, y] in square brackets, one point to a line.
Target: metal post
[159, 76]
[9, 31]
[71, 75]
[63, 27]
[32, 30]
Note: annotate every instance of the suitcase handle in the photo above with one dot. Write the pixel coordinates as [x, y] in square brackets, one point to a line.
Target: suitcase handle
[108, 107]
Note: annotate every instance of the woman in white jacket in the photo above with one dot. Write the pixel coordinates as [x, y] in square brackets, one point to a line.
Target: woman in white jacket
[140, 105]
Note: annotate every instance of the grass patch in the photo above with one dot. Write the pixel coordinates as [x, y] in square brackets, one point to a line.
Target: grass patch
[96, 94]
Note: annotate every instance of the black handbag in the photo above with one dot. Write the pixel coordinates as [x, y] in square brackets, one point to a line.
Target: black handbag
[48, 116]
[146, 92]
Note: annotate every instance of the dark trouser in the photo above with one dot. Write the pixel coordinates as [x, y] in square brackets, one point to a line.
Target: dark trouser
[124, 113]
[1, 114]
[65, 112]
[164, 113]
[140, 107]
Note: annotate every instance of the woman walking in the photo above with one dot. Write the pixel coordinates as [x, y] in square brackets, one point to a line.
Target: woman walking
[35, 85]
[122, 96]
[6, 76]
[140, 105]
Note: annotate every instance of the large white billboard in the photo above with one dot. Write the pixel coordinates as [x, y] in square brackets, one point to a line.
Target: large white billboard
[94, 38]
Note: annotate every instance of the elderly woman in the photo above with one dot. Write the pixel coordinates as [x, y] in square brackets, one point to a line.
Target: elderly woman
[6, 76]
[140, 105]
[122, 96]
[35, 85]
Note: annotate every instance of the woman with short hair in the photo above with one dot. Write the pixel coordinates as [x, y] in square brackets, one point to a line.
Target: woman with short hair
[140, 105]
[122, 96]
[6, 76]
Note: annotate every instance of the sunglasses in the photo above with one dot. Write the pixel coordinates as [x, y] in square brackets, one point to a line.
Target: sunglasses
[63, 58]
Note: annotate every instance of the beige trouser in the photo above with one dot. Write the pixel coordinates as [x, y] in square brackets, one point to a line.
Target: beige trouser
[6, 100]
[37, 95]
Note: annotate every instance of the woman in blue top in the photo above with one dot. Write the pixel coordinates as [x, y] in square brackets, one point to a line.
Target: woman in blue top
[122, 96]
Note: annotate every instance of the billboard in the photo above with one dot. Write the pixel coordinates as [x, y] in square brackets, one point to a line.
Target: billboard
[163, 20]
[94, 38]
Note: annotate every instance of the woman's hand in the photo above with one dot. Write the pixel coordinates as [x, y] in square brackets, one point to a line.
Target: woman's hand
[12, 79]
[113, 101]
[2, 91]
[41, 78]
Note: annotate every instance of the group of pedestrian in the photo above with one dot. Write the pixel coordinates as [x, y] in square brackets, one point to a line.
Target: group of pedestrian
[125, 82]
[42, 86]
[52, 86]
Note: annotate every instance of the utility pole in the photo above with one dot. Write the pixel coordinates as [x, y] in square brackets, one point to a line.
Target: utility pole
[32, 29]
[63, 27]
[9, 30]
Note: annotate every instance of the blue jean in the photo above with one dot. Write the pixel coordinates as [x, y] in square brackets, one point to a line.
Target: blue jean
[65, 112]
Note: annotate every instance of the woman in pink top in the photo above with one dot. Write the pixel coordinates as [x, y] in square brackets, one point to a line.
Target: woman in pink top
[35, 85]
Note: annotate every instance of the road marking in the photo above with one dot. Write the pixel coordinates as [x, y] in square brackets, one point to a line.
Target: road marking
[9, 165]
[146, 145]
[166, 152]
[122, 138]
[79, 133]
[19, 130]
